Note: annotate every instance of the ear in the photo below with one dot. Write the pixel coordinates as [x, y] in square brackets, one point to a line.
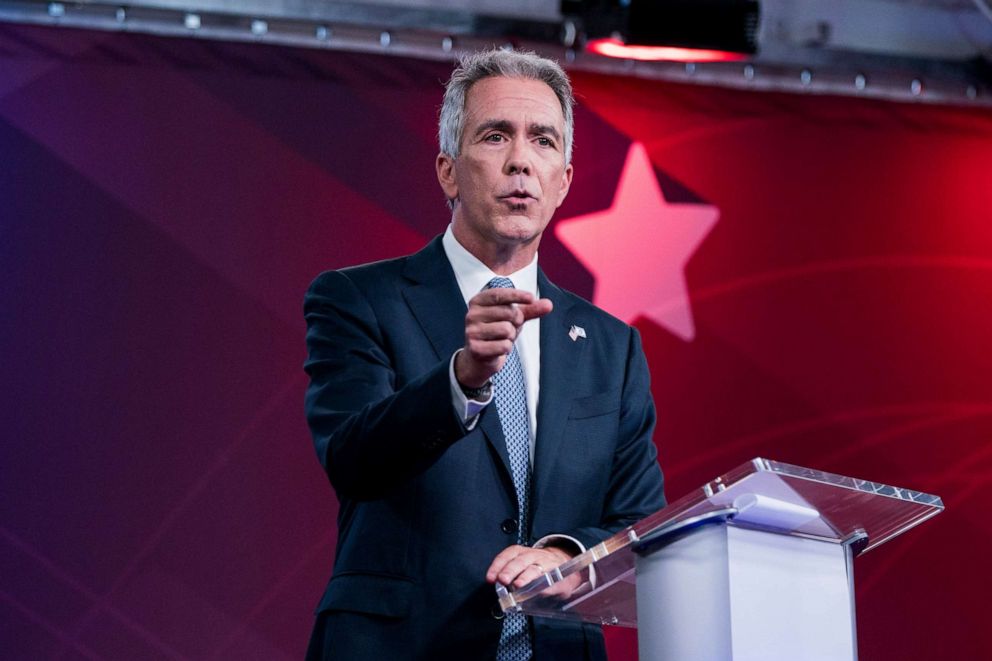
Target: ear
[566, 183]
[446, 176]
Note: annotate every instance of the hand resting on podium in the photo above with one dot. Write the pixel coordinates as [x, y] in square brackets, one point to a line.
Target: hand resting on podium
[516, 566]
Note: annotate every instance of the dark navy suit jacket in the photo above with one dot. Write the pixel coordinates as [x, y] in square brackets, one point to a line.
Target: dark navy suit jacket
[426, 505]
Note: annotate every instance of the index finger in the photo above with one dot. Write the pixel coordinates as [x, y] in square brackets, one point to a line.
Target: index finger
[502, 296]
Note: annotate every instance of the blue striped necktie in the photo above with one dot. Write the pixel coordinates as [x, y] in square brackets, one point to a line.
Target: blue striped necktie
[510, 394]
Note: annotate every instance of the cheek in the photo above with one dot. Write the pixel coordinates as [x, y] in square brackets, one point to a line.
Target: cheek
[474, 177]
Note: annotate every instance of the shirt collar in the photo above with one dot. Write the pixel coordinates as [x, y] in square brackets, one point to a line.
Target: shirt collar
[473, 276]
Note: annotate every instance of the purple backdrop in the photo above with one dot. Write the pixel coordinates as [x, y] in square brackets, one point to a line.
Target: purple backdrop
[164, 203]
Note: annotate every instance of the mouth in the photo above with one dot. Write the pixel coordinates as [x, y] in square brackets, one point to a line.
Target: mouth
[517, 197]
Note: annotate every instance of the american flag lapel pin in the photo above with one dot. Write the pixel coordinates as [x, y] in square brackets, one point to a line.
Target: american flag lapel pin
[575, 332]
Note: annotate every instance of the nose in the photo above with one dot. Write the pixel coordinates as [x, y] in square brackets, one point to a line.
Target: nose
[518, 160]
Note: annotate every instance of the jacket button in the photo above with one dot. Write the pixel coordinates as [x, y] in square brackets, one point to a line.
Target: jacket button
[509, 526]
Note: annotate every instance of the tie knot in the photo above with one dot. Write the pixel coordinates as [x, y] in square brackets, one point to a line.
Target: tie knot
[500, 283]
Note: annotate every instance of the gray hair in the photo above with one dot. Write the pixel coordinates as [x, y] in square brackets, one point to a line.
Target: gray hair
[513, 64]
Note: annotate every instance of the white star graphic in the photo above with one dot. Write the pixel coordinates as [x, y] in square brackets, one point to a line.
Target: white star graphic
[638, 248]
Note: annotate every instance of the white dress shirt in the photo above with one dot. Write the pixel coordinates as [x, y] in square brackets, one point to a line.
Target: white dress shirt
[473, 276]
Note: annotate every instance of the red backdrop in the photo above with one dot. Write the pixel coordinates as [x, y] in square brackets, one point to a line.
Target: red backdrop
[816, 275]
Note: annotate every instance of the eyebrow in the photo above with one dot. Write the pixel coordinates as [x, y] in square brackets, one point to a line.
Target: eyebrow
[498, 124]
[544, 129]
[507, 127]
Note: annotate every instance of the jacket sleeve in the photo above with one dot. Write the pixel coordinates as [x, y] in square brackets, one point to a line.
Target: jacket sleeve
[369, 434]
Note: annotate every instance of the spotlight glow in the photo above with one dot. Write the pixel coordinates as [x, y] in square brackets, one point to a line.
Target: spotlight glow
[616, 48]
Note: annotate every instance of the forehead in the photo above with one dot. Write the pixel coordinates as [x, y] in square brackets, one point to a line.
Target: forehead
[502, 97]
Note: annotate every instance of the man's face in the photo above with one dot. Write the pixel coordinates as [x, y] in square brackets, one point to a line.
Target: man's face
[510, 175]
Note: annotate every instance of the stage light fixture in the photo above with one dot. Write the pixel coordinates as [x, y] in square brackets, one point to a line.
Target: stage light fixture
[679, 30]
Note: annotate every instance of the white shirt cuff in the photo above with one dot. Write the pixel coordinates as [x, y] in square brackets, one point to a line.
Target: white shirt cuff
[547, 541]
[466, 409]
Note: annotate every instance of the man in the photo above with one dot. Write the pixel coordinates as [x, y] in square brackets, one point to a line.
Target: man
[478, 424]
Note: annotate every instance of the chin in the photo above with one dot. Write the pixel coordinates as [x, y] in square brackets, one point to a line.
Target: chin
[520, 228]
[519, 235]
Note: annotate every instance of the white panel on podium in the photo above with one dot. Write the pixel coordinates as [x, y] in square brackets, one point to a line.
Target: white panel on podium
[745, 595]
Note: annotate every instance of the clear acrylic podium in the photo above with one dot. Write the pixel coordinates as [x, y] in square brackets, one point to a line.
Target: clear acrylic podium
[755, 565]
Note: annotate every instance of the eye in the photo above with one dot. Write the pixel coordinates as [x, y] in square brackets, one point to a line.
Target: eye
[545, 141]
[494, 138]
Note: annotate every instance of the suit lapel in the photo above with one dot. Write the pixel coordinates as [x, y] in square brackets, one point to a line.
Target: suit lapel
[437, 304]
[435, 300]
[560, 360]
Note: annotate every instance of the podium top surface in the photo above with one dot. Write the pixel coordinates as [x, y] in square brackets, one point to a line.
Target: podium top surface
[777, 497]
